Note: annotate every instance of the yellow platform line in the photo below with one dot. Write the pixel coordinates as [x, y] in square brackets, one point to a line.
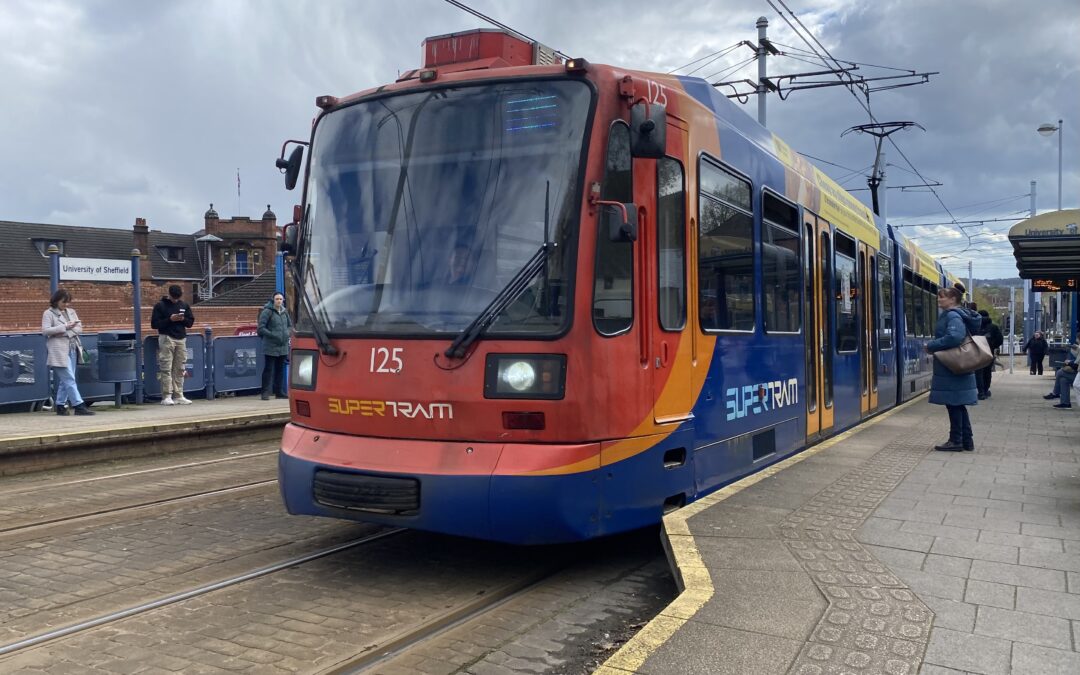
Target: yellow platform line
[690, 571]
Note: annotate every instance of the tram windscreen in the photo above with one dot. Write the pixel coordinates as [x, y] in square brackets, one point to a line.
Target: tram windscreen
[422, 206]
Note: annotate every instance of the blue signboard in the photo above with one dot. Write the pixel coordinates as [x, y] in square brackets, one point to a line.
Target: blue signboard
[24, 375]
[238, 363]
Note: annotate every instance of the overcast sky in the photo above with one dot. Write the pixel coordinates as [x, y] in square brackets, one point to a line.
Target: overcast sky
[119, 109]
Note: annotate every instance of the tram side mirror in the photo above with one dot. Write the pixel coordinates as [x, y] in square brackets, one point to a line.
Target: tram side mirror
[648, 130]
[287, 245]
[620, 221]
[291, 166]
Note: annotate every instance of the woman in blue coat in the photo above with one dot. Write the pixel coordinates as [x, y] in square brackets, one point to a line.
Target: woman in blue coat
[953, 391]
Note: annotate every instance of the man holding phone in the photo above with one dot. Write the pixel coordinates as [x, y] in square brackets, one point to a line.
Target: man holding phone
[172, 317]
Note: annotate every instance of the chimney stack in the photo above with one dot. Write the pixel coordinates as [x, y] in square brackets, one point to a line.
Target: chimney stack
[142, 242]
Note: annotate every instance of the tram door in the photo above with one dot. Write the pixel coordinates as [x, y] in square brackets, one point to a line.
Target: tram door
[670, 354]
[817, 254]
[868, 335]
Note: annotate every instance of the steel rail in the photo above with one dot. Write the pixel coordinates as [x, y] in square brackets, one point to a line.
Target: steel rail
[141, 472]
[403, 642]
[133, 507]
[112, 617]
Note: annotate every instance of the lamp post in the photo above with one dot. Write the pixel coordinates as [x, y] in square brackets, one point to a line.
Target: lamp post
[210, 240]
[1047, 129]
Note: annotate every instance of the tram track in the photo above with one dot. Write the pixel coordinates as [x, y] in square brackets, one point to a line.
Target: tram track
[417, 636]
[133, 508]
[119, 615]
[42, 486]
[30, 508]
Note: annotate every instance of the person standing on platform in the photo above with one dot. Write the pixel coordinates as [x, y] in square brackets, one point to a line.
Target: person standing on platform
[1036, 349]
[61, 327]
[274, 328]
[984, 377]
[172, 317]
[953, 391]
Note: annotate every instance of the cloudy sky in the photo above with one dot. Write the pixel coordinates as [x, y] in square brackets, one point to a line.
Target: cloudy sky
[117, 109]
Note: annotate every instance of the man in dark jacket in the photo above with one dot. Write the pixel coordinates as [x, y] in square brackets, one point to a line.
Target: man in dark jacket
[1036, 349]
[172, 317]
[274, 328]
[993, 335]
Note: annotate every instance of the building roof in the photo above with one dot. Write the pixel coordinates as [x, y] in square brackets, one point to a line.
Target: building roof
[20, 257]
[191, 265]
[253, 294]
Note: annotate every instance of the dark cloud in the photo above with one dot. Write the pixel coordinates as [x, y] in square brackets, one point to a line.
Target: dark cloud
[117, 109]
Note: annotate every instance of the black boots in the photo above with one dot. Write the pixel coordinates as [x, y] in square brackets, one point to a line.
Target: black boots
[81, 409]
[949, 446]
[60, 408]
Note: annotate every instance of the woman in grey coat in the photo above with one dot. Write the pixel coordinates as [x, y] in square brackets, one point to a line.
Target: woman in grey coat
[61, 327]
[953, 391]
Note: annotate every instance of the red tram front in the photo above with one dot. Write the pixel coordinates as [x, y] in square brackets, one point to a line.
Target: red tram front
[480, 346]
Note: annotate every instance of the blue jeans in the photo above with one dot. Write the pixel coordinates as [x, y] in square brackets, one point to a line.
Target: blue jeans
[66, 390]
[1063, 384]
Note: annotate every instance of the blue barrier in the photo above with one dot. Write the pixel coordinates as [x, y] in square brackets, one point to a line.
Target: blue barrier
[194, 368]
[230, 364]
[238, 363]
[86, 374]
[24, 375]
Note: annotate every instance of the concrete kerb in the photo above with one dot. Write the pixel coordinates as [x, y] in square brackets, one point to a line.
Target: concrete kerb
[691, 575]
[23, 453]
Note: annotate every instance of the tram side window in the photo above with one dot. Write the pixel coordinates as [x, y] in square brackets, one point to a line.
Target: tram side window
[613, 288]
[931, 313]
[885, 282]
[909, 307]
[671, 244]
[725, 250]
[920, 307]
[846, 293]
[780, 265]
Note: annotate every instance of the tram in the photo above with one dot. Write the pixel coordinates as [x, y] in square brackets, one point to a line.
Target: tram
[544, 301]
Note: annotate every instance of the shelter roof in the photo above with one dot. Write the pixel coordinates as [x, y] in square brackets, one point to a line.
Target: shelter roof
[1047, 246]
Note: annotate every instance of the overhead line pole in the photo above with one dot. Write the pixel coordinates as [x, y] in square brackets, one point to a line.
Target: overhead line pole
[762, 27]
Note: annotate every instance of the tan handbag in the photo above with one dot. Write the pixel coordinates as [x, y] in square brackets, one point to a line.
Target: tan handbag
[972, 354]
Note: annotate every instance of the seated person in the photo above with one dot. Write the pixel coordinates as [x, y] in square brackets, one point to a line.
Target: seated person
[458, 274]
[1063, 382]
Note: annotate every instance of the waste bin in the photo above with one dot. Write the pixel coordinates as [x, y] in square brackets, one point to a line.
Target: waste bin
[116, 357]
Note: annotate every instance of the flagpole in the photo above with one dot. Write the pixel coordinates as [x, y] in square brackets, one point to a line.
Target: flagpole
[238, 191]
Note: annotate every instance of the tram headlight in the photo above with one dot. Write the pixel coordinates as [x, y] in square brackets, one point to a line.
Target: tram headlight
[302, 369]
[540, 376]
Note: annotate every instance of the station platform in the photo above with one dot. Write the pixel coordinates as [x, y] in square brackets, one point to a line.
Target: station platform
[873, 553]
[44, 439]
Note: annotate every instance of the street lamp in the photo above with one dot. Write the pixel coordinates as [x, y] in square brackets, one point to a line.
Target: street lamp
[1048, 129]
[210, 239]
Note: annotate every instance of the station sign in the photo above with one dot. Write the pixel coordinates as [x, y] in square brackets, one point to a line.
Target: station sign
[94, 269]
[1055, 284]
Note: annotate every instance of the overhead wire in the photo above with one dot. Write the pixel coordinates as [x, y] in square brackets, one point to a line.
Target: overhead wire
[850, 86]
[719, 54]
[731, 69]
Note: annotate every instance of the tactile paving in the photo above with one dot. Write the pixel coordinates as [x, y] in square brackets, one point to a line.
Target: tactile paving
[874, 623]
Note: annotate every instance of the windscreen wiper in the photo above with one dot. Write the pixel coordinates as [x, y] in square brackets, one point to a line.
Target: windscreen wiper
[511, 292]
[322, 339]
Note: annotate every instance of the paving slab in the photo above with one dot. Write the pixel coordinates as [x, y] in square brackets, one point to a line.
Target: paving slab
[899, 559]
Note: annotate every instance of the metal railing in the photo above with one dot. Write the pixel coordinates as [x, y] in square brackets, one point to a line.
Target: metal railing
[240, 268]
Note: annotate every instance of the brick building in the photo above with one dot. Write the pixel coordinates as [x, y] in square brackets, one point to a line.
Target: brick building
[245, 250]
